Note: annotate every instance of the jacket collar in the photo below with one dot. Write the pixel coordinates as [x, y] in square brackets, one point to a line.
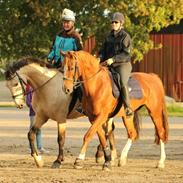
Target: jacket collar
[119, 33]
[66, 33]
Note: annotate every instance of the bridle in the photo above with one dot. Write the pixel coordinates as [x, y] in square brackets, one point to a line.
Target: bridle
[77, 82]
[22, 83]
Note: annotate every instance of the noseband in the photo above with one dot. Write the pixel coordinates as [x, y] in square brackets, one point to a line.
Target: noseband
[22, 83]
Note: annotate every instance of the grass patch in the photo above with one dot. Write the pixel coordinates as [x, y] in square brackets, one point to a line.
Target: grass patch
[173, 110]
[7, 106]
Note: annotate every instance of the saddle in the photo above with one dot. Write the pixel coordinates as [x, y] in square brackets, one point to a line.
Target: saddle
[135, 91]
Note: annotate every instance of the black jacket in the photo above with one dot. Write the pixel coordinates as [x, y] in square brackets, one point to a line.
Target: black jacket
[117, 47]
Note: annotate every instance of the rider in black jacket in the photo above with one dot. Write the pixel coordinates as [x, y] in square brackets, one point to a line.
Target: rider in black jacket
[116, 52]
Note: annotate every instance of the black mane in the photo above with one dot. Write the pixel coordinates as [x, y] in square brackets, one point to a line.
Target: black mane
[10, 71]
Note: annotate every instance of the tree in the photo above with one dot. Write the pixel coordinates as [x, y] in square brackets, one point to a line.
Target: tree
[28, 26]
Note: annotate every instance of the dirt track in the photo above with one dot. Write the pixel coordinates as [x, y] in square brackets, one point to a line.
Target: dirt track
[17, 166]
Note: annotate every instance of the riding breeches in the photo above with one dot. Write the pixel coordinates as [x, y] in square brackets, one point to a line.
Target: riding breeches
[124, 70]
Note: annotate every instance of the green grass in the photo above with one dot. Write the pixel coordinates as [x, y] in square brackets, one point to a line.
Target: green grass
[173, 110]
[4, 105]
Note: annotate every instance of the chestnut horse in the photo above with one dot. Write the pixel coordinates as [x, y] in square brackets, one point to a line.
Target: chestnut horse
[49, 101]
[81, 68]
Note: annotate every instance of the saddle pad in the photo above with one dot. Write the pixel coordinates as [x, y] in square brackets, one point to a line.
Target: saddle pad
[134, 87]
[135, 90]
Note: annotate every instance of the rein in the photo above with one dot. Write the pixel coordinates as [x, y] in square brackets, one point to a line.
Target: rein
[78, 83]
[22, 82]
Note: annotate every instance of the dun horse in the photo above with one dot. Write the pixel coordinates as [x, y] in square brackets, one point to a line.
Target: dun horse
[81, 68]
[49, 100]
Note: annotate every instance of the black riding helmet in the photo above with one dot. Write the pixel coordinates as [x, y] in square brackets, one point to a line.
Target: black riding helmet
[118, 17]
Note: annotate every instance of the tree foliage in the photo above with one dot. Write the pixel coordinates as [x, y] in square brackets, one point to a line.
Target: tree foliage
[27, 27]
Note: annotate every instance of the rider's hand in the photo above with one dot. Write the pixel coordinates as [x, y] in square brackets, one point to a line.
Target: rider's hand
[110, 61]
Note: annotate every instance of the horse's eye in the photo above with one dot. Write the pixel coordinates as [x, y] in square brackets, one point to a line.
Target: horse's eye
[16, 84]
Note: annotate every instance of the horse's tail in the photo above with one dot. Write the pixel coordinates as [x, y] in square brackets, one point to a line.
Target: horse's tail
[165, 121]
[137, 122]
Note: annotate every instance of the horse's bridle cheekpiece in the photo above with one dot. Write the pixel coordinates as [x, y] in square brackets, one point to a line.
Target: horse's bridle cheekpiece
[77, 82]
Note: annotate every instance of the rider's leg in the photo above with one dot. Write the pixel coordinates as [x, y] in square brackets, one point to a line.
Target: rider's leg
[125, 93]
[124, 70]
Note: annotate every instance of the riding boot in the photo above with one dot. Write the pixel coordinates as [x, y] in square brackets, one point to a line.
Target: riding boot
[126, 99]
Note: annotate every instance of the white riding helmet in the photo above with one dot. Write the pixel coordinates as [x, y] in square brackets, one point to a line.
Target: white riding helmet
[68, 15]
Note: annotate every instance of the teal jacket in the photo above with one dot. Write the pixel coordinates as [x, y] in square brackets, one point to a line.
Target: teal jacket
[65, 41]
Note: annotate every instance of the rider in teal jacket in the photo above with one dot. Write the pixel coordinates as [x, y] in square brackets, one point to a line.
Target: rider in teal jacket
[66, 40]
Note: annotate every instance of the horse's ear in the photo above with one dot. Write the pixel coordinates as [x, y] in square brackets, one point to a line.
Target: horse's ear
[71, 54]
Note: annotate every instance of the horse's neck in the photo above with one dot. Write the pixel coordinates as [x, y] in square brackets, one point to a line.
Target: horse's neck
[88, 67]
[37, 75]
[89, 76]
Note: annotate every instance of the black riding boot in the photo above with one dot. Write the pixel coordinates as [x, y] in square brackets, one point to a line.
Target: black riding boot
[126, 99]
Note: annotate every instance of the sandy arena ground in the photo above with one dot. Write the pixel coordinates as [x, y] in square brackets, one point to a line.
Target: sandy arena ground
[17, 166]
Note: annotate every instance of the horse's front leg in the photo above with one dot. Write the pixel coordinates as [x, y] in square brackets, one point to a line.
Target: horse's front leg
[96, 127]
[61, 141]
[109, 133]
[31, 137]
[37, 158]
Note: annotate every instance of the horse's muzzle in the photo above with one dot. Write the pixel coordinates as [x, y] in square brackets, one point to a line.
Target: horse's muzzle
[20, 106]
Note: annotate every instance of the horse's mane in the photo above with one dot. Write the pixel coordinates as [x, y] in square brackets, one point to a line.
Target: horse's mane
[15, 66]
[87, 58]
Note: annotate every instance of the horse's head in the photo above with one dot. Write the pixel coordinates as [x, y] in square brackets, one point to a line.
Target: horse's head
[71, 72]
[15, 84]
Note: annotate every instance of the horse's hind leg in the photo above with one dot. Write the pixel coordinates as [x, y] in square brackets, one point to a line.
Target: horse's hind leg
[159, 119]
[132, 135]
[61, 140]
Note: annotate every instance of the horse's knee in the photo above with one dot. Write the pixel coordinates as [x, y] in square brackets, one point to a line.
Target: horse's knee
[31, 133]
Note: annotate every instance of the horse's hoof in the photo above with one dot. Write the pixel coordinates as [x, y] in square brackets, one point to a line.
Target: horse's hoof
[79, 163]
[122, 162]
[160, 165]
[38, 160]
[100, 159]
[107, 166]
[56, 164]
